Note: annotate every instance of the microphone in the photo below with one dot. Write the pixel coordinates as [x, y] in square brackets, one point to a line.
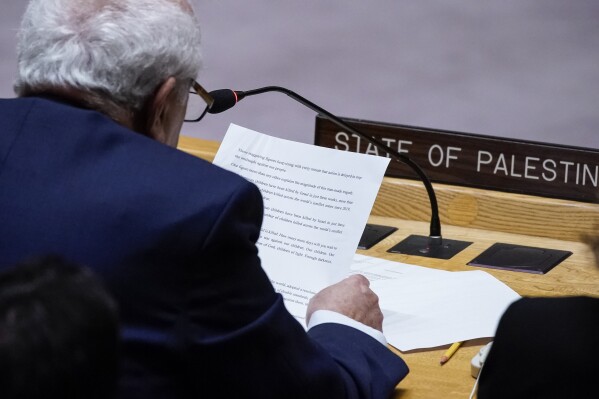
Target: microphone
[433, 246]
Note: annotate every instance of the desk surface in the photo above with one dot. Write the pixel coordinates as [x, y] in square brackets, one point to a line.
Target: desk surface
[427, 379]
[484, 218]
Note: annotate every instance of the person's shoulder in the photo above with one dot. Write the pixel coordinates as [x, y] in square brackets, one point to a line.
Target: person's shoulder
[16, 102]
[148, 165]
[14, 109]
[193, 171]
[24, 104]
[552, 304]
[181, 174]
[541, 311]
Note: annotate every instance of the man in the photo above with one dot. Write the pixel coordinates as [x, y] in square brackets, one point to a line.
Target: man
[545, 348]
[58, 333]
[85, 172]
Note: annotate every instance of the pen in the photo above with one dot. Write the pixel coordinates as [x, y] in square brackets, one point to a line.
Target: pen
[449, 353]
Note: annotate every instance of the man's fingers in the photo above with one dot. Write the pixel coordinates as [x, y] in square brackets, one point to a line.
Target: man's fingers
[351, 297]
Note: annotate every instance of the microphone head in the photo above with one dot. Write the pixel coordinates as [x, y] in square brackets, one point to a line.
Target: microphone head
[224, 99]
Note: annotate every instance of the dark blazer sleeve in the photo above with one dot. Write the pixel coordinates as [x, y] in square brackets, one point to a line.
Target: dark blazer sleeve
[366, 365]
[544, 348]
[242, 341]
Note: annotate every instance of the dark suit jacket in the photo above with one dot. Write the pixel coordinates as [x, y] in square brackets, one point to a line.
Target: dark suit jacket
[544, 348]
[174, 239]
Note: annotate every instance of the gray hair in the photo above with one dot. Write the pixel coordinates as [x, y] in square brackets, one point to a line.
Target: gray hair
[121, 50]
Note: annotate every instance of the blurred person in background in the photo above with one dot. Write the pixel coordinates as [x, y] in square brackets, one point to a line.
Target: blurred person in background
[545, 348]
[59, 333]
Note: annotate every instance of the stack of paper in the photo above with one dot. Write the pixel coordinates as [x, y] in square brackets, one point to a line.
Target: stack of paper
[425, 307]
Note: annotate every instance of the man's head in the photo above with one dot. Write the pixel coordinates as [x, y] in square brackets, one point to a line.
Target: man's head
[58, 333]
[130, 59]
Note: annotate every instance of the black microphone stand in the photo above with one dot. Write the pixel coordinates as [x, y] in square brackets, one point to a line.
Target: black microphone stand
[433, 246]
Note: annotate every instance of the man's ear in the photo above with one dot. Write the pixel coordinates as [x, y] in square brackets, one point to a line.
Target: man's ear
[157, 121]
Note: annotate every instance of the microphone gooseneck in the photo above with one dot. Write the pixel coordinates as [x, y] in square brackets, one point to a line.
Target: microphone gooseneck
[225, 99]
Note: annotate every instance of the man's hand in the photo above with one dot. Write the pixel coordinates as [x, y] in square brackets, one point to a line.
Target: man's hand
[351, 297]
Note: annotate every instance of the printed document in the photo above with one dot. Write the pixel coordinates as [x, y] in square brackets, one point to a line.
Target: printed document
[316, 204]
[426, 307]
[436, 307]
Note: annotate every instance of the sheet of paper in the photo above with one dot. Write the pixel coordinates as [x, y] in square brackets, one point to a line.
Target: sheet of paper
[375, 269]
[316, 203]
[424, 310]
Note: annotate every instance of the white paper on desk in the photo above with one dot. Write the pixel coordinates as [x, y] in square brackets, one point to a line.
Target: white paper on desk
[428, 310]
[316, 203]
[375, 269]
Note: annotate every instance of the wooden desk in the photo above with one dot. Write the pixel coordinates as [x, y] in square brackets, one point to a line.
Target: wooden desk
[427, 379]
[484, 218]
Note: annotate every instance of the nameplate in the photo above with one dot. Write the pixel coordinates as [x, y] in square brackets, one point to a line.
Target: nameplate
[473, 160]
